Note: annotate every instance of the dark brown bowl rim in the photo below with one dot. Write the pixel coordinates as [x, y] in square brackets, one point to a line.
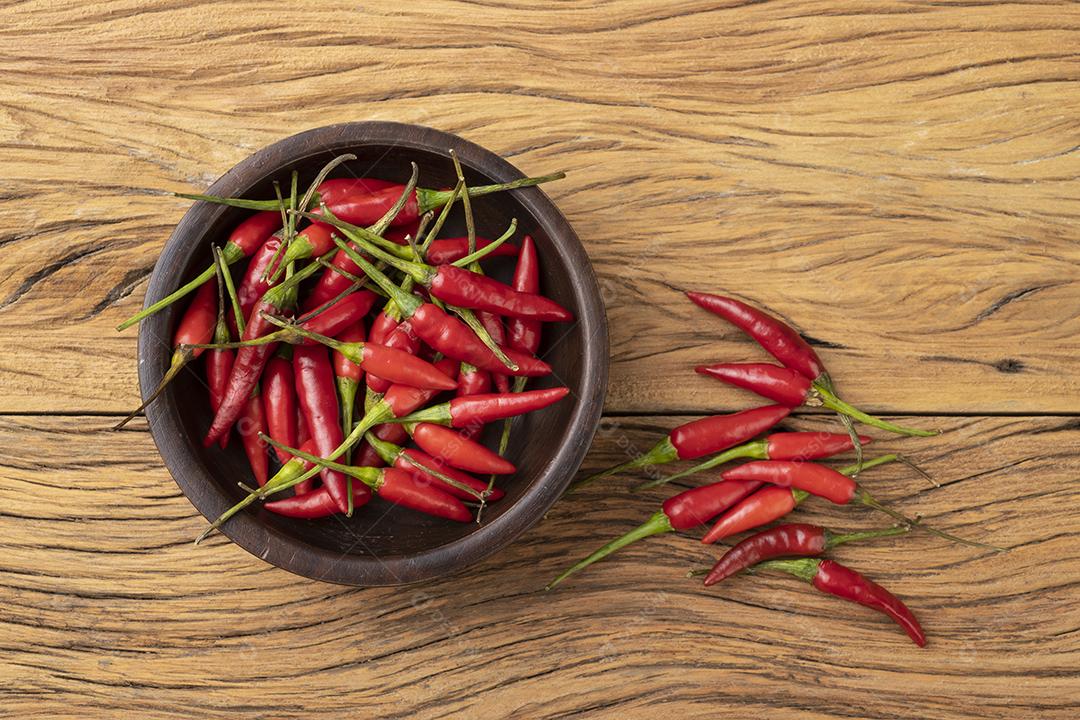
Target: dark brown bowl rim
[310, 561]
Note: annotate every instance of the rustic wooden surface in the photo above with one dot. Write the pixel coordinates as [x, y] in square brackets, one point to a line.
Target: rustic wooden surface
[899, 178]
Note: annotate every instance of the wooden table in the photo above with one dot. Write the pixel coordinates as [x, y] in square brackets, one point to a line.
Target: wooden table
[900, 179]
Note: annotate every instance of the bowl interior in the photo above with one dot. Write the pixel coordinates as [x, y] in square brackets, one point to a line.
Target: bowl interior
[382, 543]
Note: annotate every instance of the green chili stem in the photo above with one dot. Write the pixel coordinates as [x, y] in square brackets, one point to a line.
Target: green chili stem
[831, 401]
[655, 525]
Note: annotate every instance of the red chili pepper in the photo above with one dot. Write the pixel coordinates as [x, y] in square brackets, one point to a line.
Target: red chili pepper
[701, 437]
[462, 411]
[250, 360]
[809, 477]
[249, 427]
[473, 381]
[792, 539]
[279, 402]
[427, 469]
[398, 487]
[458, 450]
[463, 288]
[449, 250]
[308, 506]
[448, 335]
[686, 510]
[402, 400]
[790, 388]
[348, 376]
[833, 578]
[524, 334]
[244, 240]
[255, 282]
[400, 336]
[395, 365]
[332, 283]
[777, 446]
[318, 401]
[777, 338]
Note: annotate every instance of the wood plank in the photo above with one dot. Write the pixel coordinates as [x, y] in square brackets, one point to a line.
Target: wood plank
[898, 179]
[105, 607]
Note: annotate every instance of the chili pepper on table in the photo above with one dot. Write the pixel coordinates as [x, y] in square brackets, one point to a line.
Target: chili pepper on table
[448, 335]
[686, 510]
[700, 437]
[433, 470]
[280, 402]
[774, 502]
[777, 446]
[792, 539]
[250, 426]
[348, 376]
[461, 411]
[398, 487]
[833, 578]
[196, 327]
[244, 240]
[458, 450]
[788, 387]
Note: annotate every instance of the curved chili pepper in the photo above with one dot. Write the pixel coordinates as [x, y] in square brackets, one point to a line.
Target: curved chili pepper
[790, 388]
[449, 250]
[462, 411]
[402, 400]
[427, 469]
[251, 359]
[348, 376]
[777, 446]
[700, 437]
[831, 577]
[244, 240]
[318, 401]
[792, 539]
[777, 338]
[250, 425]
[809, 477]
[688, 509]
[458, 450]
[280, 403]
[313, 504]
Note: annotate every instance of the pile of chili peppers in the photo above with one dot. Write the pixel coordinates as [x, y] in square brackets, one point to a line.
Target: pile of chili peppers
[329, 353]
[781, 474]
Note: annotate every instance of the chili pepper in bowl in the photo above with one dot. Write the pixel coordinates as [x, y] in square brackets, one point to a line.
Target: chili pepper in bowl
[458, 450]
[686, 510]
[348, 375]
[449, 250]
[777, 446]
[462, 411]
[700, 437]
[250, 426]
[792, 539]
[433, 470]
[791, 388]
[318, 401]
[280, 402]
[244, 240]
[397, 486]
[833, 578]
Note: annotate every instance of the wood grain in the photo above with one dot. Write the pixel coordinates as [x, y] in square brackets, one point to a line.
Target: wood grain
[107, 606]
[899, 179]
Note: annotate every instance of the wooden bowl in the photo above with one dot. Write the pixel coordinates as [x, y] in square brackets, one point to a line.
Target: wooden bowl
[383, 544]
